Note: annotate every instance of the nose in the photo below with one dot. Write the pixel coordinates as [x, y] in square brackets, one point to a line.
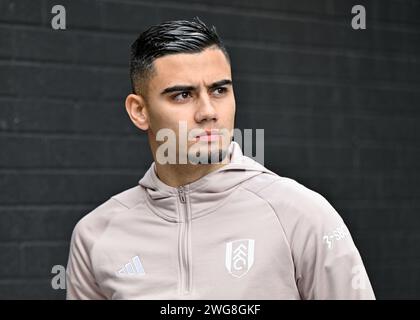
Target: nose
[205, 110]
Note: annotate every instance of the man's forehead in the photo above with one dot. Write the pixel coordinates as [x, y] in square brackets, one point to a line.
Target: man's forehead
[205, 67]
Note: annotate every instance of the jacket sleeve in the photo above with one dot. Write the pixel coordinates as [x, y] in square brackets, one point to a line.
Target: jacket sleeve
[80, 280]
[327, 262]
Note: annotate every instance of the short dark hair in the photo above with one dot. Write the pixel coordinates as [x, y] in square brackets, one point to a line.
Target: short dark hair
[170, 37]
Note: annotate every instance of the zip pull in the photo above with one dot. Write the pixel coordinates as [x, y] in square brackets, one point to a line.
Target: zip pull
[181, 194]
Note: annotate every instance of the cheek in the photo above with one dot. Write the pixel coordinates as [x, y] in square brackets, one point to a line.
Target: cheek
[170, 120]
[159, 117]
[227, 111]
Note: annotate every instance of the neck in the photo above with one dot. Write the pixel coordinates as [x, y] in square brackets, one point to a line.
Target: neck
[176, 175]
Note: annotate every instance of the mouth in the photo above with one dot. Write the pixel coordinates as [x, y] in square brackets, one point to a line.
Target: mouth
[208, 136]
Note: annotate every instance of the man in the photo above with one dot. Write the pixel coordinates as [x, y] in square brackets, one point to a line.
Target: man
[219, 225]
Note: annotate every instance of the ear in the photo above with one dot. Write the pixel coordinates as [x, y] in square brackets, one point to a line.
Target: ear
[136, 109]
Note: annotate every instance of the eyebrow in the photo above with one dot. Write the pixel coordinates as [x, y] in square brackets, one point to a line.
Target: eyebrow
[191, 88]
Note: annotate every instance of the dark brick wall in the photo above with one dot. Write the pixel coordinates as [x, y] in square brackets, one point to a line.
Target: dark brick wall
[340, 109]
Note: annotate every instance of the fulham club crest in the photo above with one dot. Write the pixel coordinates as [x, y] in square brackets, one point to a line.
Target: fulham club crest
[239, 256]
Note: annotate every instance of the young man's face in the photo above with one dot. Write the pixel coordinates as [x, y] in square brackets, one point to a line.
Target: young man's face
[194, 88]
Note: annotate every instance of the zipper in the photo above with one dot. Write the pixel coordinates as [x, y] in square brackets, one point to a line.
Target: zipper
[184, 244]
[181, 193]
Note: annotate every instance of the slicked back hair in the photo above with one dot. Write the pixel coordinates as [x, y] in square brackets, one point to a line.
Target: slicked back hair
[170, 37]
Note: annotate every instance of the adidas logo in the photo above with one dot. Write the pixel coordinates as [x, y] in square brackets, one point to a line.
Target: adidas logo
[134, 267]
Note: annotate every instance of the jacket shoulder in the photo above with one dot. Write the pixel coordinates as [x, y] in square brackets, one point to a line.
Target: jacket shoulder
[93, 224]
[293, 202]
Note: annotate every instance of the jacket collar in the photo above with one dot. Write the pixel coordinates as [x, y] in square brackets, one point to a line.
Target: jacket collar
[203, 195]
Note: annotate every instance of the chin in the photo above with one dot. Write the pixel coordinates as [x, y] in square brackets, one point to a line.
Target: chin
[213, 155]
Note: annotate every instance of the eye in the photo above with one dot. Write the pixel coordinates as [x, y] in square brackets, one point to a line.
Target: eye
[220, 91]
[181, 96]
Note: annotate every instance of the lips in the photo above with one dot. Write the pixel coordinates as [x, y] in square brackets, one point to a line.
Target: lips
[208, 136]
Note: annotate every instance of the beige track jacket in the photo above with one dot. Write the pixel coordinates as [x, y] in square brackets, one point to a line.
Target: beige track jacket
[240, 232]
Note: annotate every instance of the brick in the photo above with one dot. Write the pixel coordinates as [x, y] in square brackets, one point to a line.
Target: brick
[126, 18]
[392, 218]
[104, 49]
[60, 152]
[365, 187]
[38, 258]
[315, 157]
[36, 223]
[26, 115]
[6, 43]
[301, 126]
[6, 80]
[353, 185]
[26, 11]
[307, 33]
[79, 13]
[44, 44]
[57, 81]
[382, 277]
[398, 157]
[75, 187]
[390, 129]
[258, 92]
[387, 245]
[29, 289]
[386, 11]
[9, 260]
[270, 60]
